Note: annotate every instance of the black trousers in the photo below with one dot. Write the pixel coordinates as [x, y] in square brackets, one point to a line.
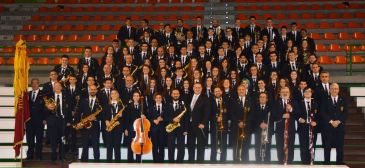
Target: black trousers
[71, 140]
[176, 139]
[279, 136]
[158, 137]
[34, 136]
[90, 135]
[196, 140]
[130, 156]
[221, 137]
[241, 147]
[113, 142]
[56, 127]
[303, 132]
[266, 149]
[334, 138]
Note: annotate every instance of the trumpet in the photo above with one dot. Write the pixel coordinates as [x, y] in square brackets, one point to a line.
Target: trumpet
[86, 122]
[264, 139]
[114, 122]
[172, 126]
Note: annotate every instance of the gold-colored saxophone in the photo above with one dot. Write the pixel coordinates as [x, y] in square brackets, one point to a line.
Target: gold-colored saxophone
[172, 126]
[86, 122]
[114, 122]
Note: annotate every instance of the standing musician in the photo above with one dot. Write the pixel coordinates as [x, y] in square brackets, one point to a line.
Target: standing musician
[334, 112]
[63, 70]
[89, 111]
[263, 128]
[220, 111]
[242, 117]
[158, 133]
[59, 113]
[284, 110]
[35, 126]
[199, 109]
[307, 117]
[133, 112]
[176, 113]
[114, 121]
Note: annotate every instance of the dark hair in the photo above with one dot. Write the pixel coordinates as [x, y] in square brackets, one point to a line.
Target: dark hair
[87, 47]
[64, 56]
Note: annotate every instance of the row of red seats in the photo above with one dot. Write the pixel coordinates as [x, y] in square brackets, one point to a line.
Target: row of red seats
[356, 59]
[121, 9]
[121, 1]
[281, 16]
[340, 36]
[318, 6]
[55, 49]
[337, 48]
[111, 17]
[69, 38]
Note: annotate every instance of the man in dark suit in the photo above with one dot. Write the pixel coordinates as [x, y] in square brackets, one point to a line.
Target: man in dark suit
[177, 137]
[294, 34]
[64, 69]
[48, 86]
[35, 126]
[199, 31]
[291, 65]
[238, 32]
[307, 121]
[311, 43]
[126, 32]
[313, 78]
[128, 89]
[92, 62]
[144, 28]
[242, 120]
[252, 29]
[334, 112]
[106, 73]
[263, 123]
[90, 105]
[284, 112]
[158, 133]
[198, 109]
[281, 41]
[142, 55]
[59, 116]
[274, 64]
[269, 30]
[169, 38]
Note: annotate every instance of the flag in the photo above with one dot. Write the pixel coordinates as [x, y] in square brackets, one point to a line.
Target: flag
[21, 103]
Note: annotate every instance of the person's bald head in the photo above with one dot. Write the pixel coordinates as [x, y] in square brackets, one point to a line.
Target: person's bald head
[334, 89]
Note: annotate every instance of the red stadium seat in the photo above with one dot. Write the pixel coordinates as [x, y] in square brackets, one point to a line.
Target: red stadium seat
[307, 16]
[43, 61]
[293, 16]
[36, 50]
[105, 27]
[324, 25]
[333, 15]
[65, 50]
[335, 48]
[353, 25]
[48, 18]
[31, 38]
[50, 50]
[46, 38]
[72, 38]
[60, 18]
[72, 18]
[39, 28]
[99, 37]
[66, 28]
[338, 25]
[85, 38]
[27, 27]
[95, 49]
[85, 18]
[315, 36]
[91, 28]
[353, 48]
[59, 38]
[321, 48]
[52, 28]
[359, 36]
[17, 37]
[73, 61]
[79, 27]
[324, 60]
[112, 37]
[36, 18]
[7, 50]
[31, 60]
[10, 61]
[57, 61]
[360, 15]
[78, 49]
[347, 15]
[329, 36]
[357, 59]
[310, 25]
[344, 36]
[109, 18]
[340, 59]
[320, 15]
[2, 61]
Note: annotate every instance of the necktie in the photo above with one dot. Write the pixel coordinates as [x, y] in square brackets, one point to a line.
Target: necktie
[91, 104]
[63, 71]
[295, 35]
[293, 66]
[114, 111]
[284, 104]
[58, 106]
[308, 111]
[175, 106]
[72, 91]
[108, 94]
[129, 32]
[259, 67]
[193, 102]
[262, 108]
[270, 33]
[334, 101]
[88, 61]
[252, 29]
[274, 84]
[159, 109]
[83, 79]
[136, 107]
[325, 88]
[33, 96]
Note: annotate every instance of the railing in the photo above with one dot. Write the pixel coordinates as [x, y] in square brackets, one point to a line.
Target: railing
[349, 54]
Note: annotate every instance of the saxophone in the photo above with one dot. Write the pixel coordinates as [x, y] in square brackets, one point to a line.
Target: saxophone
[86, 122]
[172, 126]
[114, 122]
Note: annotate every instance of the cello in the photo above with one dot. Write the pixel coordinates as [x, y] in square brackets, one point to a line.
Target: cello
[141, 143]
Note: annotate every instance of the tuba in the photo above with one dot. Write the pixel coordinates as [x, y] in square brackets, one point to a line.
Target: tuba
[114, 122]
[86, 122]
[172, 126]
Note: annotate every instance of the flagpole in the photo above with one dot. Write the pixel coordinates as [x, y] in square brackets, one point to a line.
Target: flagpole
[21, 145]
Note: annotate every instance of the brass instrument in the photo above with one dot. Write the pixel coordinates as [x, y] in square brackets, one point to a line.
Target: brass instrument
[50, 104]
[86, 122]
[180, 36]
[264, 139]
[257, 36]
[200, 35]
[219, 33]
[172, 126]
[242, 133]
[134, 71]
[114, 122]
[220, 127]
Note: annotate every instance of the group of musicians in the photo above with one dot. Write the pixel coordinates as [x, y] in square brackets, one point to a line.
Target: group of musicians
[197, 87]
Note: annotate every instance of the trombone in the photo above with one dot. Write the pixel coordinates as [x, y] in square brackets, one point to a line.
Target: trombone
[220, 127]
[242, 134]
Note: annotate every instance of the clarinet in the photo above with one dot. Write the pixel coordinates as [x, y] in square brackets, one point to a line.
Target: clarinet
[286, 137]
[311, 136]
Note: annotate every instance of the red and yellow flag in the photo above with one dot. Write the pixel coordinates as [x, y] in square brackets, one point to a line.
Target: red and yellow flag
[21, 103]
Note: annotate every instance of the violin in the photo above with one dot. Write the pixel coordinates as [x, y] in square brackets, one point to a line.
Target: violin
[141, 143]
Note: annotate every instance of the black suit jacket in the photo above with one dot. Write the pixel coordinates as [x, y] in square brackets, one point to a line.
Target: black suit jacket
[93, 68]
[279, 110]
[302, 113]
[338, 111]
[265, 31]
[69, 70]
[36, 108]
[85, 111]
[66, 109]
[200, 113]
[237, 114]
[123, 33]
[170, 114]
[109, 113]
